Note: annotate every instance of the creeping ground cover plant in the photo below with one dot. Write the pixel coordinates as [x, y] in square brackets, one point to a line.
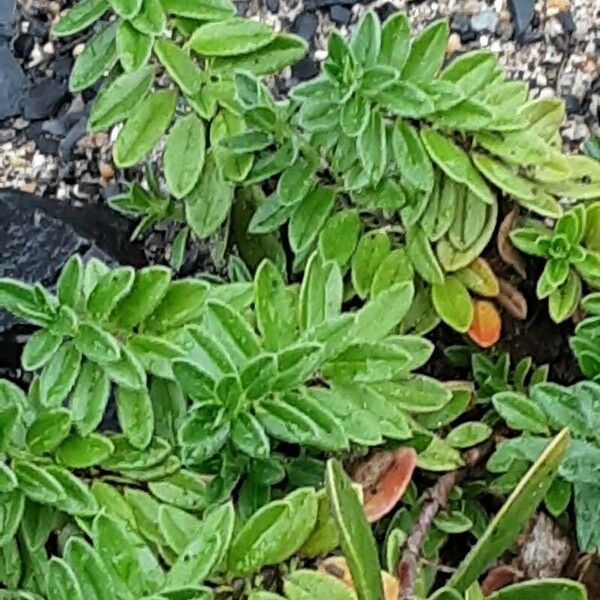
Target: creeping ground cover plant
[287, 427]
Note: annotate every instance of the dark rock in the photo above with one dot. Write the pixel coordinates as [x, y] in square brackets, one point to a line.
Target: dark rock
[573, 105]
[566, 20]
[241, 8]
[62, 65]
[39, 29]
[38, 235]
[73, 136]
[44, 99]
[305, 25]
[12, 83]
[273, 5]
[23, 45]
[306, 69]
[522, 12]
[313, 4]
[47, 145]
[8, 18]
[340, 14]
[385, 11]
[461, 24]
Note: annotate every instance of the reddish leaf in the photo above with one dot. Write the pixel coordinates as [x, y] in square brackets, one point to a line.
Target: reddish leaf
[385, 477]
[486, 325]
[497, 578]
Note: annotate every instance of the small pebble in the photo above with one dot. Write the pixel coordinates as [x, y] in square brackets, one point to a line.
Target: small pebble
[106, 170]
[454, 44]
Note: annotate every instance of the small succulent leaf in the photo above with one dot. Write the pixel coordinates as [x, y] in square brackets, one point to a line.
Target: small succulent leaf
[133, 47]
[99, 55]
[79, 17]
[231, 37]
[427, 52]
[179, 65]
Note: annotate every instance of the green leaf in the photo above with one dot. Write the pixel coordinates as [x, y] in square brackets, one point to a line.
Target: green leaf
[89, 397]
[563, 301]
[59, 375]
[99, 55]
[507, 524]
[151, 19]
[128, 371]
[520, 413]
[366, 39]
[248, 436]
[136, 417]
[11, 512]
[224, 126]
[274, 533]
[304, 583]
[320, 293]
[8, 480]
[309, 217]
[296, 182]
[452, 522]
[283, 51]
[372, 147]
[209, 202]
[453, 303]
[61, 582]
[183, 303]
[110, 289]
[469, 434]
[133, 47]
[180, 66]
[528, 193]
[232, 330]
[339, 236]
[78, 499]
[79, 17]
[406, 99]
[588, 526]
[70, 282]
[203, 10]
[96, 344]
[541, 590]
[395, 41]
[36, 483]
[39, 349]
[422, 257]
[92, 575]
[185, 489]
[383, 313]
[471, 71]
[558, 497]
[149, 287]
[79, 452]
[144, 128]
[439, 456]
[356, 539]
[205, 551]
[411, 157]
[48, 430]
[118, 101]
[372, 249]
[455, 162]
[177, 527]
[184, 155]
[126, 9]
[427, 52]
[275, 306]
[126, 456]
[232, 37]
[137, 570]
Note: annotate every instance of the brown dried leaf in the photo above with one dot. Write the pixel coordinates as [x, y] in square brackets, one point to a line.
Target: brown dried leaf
[508, 253]
[545, 550]
[384, 477]
[511, 299]
[338, 567]
[588, 573]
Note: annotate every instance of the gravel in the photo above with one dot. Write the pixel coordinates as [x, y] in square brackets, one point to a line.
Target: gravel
[554, 45]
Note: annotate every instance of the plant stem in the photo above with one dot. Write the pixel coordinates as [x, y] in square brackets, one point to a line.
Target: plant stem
[437, 498]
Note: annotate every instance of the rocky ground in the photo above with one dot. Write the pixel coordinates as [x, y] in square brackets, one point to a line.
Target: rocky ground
[44, 148]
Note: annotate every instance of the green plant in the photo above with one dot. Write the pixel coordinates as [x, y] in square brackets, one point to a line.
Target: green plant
[586, 341]
[199, 45]
[549, 408]
[569, 258]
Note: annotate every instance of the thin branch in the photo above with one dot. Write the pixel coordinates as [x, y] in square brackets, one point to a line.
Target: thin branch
[437, 498]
